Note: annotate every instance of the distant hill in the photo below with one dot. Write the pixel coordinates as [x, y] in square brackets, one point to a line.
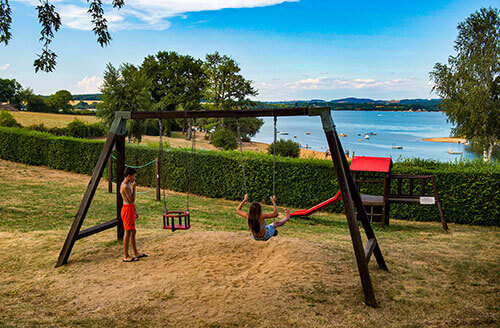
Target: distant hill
[356, 101]
[352, 103]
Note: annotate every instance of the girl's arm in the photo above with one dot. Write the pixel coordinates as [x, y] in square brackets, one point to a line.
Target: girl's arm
[239, 211]
[275, 210]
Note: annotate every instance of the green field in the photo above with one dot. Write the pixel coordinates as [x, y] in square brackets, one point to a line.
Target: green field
[50, 120]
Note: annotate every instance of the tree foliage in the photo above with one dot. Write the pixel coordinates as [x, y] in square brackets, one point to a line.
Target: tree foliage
[9, 89]
[227, 89]
[50, 20]
[224, 138]
[125, 88]
[470, 83]
[60, 101]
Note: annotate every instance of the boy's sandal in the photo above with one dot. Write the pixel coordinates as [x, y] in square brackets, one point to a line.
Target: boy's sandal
[142, 255]
[133, 259]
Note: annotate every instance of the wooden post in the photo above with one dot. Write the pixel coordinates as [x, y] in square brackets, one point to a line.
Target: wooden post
[347, 190]
[110, 175]
[120, 168]
[87, 199]
[438, 203]
[157, 179]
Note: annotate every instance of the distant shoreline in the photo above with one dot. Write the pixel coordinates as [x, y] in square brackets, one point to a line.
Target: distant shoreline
[448, 140]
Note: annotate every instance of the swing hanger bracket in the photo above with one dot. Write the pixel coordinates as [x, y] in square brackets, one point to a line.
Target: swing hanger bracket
[119, 125]
[326, 118]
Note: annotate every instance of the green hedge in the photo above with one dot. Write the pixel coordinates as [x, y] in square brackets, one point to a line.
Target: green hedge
[469, 191]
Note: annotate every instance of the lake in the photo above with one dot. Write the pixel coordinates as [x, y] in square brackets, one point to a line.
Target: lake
[404, 129]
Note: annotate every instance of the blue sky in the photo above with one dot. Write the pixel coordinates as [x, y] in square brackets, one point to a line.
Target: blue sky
[307, 49]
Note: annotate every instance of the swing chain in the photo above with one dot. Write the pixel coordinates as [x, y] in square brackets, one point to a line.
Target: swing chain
[241, 153]
[193, 137]
[274, 158]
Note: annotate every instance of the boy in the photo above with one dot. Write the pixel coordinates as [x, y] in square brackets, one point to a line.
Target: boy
[129, 215]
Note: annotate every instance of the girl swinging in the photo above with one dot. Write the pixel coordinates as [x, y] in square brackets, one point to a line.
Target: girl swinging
[259, 230]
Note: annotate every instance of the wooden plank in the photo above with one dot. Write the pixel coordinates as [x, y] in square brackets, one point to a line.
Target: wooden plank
[370, 246]
[299, 111]
[98, 228]
[87, 199]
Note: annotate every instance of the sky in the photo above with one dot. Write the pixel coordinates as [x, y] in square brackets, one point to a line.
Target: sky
[290, 49]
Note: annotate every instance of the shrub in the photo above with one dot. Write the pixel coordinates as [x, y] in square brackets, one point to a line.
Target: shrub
[285, 148]
[224, 138]
[6, 119]
[77, 129]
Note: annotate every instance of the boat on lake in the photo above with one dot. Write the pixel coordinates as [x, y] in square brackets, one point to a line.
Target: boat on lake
[371, 133]
[284, 133]
[453, 152]
[308, 132]
[397, 147]
[367, 136]
[342, 135]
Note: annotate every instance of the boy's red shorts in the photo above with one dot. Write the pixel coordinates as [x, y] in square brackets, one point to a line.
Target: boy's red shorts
[128, 217]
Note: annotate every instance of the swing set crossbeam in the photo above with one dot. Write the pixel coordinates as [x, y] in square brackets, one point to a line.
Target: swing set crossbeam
[299, 111]
[350, 194]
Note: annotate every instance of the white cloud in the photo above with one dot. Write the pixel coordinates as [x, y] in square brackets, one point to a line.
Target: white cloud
[89, 84]
[145, 14]
[326, 83]
[4, 67]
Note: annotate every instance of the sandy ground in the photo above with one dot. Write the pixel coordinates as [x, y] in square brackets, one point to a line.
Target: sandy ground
[447, 139]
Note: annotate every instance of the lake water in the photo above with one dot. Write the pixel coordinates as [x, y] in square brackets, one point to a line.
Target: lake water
[405, 129]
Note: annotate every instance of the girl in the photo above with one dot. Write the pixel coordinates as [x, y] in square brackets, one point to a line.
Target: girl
[255, 219]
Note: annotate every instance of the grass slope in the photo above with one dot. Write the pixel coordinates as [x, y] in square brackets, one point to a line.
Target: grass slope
[215, 275]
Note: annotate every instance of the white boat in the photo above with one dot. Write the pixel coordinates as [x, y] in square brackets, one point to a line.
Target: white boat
[367, 137]
[453, 152]
[342, 135]
[397, 147]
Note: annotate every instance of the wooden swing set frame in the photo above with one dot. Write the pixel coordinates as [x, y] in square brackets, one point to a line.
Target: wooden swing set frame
[353, 205]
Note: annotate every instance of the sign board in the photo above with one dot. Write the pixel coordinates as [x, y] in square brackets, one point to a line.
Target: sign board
[427, 200]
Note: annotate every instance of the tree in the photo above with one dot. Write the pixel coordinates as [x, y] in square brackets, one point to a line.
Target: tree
[9, 89]
[470, 83]
[125, 88]
[37, 104]
[175, 81]
[51, 22]
[227, 90]
[60, 100]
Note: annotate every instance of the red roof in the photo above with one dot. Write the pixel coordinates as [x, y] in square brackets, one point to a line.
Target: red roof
[371, 164]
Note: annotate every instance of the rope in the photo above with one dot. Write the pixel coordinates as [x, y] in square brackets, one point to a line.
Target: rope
[193, 136]
[241, 153]
[136, 167]
[274, 158]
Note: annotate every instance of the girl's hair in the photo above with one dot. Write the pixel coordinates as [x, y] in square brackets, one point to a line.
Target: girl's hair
[254, 217]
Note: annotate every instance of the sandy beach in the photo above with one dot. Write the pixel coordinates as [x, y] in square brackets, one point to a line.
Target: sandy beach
[447, 139]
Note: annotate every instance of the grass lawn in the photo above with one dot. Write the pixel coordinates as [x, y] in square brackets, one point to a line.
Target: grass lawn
[215, 275]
